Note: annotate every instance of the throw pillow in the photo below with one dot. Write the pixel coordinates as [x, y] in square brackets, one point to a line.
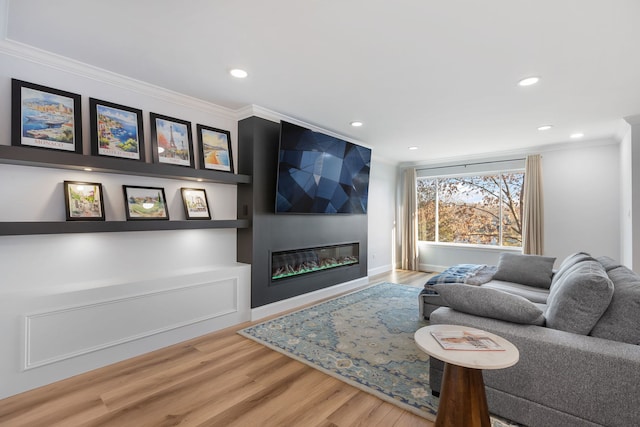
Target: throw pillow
[621, 321]
[491, 303]
[578, 300]
[569, 262]
[531, 270]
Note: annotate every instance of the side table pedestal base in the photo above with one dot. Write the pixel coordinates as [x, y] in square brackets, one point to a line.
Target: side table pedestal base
[463, 402]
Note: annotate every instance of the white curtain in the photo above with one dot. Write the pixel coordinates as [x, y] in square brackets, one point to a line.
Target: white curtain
[409, 217]
[533, 212]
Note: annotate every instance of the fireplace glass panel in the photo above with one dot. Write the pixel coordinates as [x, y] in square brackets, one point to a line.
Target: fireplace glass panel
[309, 260]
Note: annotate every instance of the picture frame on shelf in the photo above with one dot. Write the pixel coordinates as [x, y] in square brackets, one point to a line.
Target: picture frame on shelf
[215, 148]
[145, 203]
[116, 130]
[45, 117]
[195, 203]
[84, 201]
[171, 141]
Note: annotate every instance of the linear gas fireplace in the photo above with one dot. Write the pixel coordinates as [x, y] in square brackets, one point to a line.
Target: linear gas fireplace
[280, 276]
[287, 264]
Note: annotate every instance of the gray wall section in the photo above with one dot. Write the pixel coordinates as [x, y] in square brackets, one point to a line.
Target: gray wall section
[258, 141]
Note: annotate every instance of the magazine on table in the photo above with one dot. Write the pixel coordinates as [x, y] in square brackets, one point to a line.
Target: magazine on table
[465, 340]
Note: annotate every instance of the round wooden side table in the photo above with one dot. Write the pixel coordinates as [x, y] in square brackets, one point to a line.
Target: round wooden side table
[463, 402]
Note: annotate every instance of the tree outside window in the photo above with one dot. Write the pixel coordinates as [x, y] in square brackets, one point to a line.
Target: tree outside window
[477, 210]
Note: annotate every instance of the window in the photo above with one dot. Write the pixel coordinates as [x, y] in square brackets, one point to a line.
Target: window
[478, 210]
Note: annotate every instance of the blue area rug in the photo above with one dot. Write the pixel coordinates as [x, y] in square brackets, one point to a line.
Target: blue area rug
[365, 339]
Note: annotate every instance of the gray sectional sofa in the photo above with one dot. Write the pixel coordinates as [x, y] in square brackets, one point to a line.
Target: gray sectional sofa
[577, 330]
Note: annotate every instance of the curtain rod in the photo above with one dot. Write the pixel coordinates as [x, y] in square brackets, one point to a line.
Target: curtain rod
[470, 164]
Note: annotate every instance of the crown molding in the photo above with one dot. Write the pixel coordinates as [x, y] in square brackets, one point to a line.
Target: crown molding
[68, 65]
[257, 111]
[633, 120]
[274, 116]
[505, 155]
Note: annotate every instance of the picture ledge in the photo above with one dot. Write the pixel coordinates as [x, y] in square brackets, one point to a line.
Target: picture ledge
[41, 157]
[66, 227]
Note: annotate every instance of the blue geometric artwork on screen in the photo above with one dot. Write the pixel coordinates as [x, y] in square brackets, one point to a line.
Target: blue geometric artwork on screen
[318, 173]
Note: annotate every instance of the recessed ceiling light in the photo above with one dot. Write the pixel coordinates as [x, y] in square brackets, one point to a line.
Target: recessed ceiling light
[413, 147]
[88, 169]
[545, 127]
[577, 135]
[356, 124]
[529, 81]
[238, 73]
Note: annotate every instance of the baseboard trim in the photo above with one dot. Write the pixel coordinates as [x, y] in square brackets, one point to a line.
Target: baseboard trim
[308, 298]
[433, 267]
[380, 270]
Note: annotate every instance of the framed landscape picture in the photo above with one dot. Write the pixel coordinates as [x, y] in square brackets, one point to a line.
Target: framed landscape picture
[145, 203]
[45, 117]
[83, 201]
[215, 149]
[116, 130]
[195, 202]
[171, 141]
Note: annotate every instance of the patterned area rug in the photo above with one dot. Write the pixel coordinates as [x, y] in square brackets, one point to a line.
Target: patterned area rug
[365, 339]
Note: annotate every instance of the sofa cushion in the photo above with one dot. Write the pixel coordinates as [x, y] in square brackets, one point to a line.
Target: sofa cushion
[569, 262]
[532, 270]
[533, 294]
[608, 263]
[578, 300]
[491, 303]
[621, 321]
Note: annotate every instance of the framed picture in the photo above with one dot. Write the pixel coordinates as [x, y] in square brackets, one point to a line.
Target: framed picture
[215, 149]
[195, 203]
[116, 130]
[45, 117]
[144, 203]
[83, 201]
[171, 140]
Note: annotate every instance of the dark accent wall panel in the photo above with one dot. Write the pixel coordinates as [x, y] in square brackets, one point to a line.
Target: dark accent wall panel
[258, 141]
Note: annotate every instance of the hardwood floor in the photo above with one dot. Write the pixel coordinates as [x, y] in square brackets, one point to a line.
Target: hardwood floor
[220, 379]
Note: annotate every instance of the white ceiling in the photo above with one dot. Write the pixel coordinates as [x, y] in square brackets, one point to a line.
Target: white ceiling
[440, 75]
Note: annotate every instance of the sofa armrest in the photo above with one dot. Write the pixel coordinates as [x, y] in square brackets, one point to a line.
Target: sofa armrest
[576, 374]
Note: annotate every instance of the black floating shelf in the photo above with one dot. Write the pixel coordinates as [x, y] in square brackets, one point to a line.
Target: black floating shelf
[60, 227]
[30, 156]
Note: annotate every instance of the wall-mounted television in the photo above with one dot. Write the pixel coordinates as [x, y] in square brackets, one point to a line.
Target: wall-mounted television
[321, 174]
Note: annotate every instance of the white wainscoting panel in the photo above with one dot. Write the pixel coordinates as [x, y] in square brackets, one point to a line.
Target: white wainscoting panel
[59, 334]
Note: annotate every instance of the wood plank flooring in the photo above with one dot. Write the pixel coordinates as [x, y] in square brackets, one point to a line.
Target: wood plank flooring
[220, 379]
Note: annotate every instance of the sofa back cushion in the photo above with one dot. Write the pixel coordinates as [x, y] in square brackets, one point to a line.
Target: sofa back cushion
[531, 270]
[569, 262]
[608, 263]
[621, 320]
[579, 298]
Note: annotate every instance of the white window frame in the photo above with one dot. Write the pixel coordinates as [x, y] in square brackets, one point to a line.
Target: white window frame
[460, 171]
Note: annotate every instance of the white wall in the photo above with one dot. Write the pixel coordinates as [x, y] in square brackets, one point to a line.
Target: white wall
[626, 197]
[381, 216]
[74, 302]
[582, 200]
[437, 257]
[630, 159]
